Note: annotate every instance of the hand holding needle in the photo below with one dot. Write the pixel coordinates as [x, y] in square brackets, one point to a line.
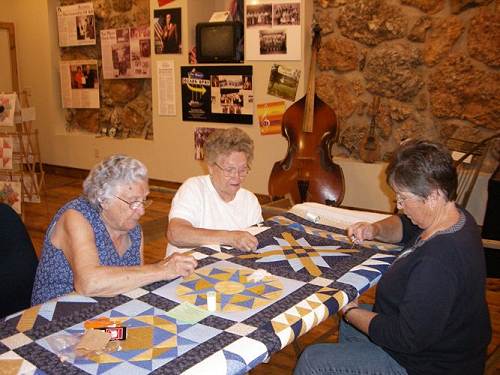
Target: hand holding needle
[354, 241]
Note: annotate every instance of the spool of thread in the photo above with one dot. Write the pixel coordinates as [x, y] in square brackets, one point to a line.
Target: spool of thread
[312, 217]
[211, 300]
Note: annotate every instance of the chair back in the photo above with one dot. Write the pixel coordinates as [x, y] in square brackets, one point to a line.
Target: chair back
[18, 263]
[468, 167]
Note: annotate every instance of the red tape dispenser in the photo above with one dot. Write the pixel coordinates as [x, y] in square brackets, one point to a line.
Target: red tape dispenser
[116, 331]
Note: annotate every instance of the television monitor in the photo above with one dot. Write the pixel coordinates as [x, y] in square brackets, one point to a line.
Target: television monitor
[219, 42]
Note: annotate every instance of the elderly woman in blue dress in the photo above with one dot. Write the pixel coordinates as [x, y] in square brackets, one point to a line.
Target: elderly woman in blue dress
[94, 244]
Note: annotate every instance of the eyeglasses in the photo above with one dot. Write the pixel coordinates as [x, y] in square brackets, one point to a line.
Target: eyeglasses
[230, 172]
[400, 200]
[135, 205]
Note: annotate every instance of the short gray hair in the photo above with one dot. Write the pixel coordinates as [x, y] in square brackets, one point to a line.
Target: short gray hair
[105, 177]
[421, 166]
[225, 141]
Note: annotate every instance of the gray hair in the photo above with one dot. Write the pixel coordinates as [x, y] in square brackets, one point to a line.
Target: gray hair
[225, 141]
[105, 177]
[420, 166]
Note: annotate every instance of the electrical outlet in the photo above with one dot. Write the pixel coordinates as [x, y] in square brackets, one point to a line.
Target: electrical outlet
[96, 154]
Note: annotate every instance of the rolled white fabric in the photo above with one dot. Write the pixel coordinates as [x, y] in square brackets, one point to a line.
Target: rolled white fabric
[312, 217]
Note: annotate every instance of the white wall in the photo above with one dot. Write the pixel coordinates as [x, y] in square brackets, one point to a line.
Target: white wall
[5, 69]
[170, 155]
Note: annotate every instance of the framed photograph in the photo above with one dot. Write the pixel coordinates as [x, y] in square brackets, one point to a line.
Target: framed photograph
[168, 30]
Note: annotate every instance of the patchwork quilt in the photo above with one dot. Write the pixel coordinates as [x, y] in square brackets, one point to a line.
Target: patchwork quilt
[308, 272]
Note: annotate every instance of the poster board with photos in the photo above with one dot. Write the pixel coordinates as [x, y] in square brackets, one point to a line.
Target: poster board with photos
[273, 30]
[79, 84]
[217, 94]
[76, 25]
[126, 53]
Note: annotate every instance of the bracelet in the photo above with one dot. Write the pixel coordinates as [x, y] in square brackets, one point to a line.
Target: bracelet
[347, 311]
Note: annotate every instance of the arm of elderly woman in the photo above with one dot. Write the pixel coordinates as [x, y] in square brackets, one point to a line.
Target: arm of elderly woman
[73, 234]
[181, 233]
[387, 230]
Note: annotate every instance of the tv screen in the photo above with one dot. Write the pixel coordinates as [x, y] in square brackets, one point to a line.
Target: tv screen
[218, 42]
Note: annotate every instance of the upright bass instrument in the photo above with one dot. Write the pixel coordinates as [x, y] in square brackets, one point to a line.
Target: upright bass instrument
[307, 173]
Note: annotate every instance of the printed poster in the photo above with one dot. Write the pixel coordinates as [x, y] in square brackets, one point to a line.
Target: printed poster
[217, 94]
[270, 116]
[166, 88]
[79, 84]
[273, 30]
[126, 53]
[76, 25]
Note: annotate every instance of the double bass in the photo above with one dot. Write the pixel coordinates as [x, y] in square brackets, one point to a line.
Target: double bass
[307, 173]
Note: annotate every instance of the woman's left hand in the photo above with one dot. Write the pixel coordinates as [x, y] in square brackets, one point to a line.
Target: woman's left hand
[353, 303]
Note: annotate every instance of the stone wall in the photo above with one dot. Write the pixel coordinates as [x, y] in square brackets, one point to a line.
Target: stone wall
[434, 64]
[126, 104]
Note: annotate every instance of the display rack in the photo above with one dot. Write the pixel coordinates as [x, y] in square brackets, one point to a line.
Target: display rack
[27, 167]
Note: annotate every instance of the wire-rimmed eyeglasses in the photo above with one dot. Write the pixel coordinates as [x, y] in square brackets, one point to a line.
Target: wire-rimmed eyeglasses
[400, 199]
[135, 205]
[232, 171]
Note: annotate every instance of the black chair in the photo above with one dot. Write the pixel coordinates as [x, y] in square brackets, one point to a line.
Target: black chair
[18, 262]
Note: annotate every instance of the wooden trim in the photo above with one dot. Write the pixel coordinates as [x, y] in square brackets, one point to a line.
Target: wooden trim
[9, 26]
[80, 173]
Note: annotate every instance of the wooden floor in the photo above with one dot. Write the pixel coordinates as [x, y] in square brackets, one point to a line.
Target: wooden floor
[60, 189]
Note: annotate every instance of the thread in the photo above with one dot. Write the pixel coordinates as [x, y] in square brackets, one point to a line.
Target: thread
[312, 217]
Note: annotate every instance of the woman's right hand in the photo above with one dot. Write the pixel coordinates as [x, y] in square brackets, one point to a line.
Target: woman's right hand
[242, 240]
[178, 265]
[360, 231]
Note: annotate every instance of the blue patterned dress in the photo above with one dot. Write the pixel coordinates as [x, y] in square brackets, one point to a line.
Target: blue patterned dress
[54, 276]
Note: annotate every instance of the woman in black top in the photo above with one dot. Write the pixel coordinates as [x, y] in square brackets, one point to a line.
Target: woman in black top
[430, 314]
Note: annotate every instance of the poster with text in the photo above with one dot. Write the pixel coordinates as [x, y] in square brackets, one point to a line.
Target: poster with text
[126, 53]
[79, 84]
[273, 30]
[217, 94]
[76, 25]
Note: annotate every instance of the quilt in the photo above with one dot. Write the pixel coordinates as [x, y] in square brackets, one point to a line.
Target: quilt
[308, 272]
